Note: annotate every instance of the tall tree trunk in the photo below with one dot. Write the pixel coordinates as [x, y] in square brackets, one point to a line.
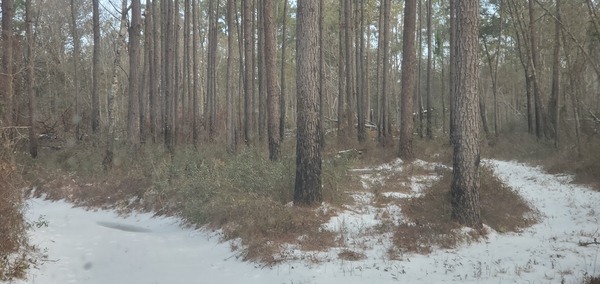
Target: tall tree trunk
[466, 159]
[110, 131]
[385, 138]
[360, 51]
[451, 63]
[211, 88]
[248, 74]
[553, 106]
[262, 98]
[186, 75]
[7, 62]
[535, 67]
[409, 61]
[195, 69]
[283, 60]
[76, 51]
[229, 129]
[342, 121]
[168, 70]
[308, 150]
[30, 78]
[155, 74]
[429, 131]
[134, 78]
[270, 41]
[322, 92]
[96, 66]
[419, 92]
[350, 77]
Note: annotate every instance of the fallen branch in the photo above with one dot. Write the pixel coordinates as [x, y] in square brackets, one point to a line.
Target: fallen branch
[585, 244]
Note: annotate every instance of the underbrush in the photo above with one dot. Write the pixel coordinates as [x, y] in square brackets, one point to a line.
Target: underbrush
[583, 162]
[246, 195]
[430, 225]
[250, 197]
[15, 250]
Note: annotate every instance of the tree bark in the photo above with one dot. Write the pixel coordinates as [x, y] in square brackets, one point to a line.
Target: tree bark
[229, 129]
[30, 79]
[271, 68]
[408, 81]
[308, 150]
[248, 74]
[283, 83]
[134, 78]
[76, 51]
[7, 62]
[535, 67]
[96, 66]
[553, 106]
[429, 132]
[466, 124]
[107, 163]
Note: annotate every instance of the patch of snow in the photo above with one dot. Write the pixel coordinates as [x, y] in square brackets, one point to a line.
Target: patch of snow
[82, 251]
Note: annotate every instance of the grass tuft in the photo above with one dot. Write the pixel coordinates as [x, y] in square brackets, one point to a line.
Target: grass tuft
[431, 226]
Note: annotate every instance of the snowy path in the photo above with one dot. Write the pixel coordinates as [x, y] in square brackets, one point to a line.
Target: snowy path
[101, 247]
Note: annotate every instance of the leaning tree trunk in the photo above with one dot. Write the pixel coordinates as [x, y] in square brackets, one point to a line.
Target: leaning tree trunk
[466, 124]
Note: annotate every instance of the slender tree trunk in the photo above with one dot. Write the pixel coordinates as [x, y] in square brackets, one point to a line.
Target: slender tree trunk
[466, 159]
[451, 63]
[385, 137]
[535, 67]
[308, 150]
[350, 78]
[283, 85]
[554, 97]
[155, 74]
[168, 68]
[186, 78]
[6, 73]
[342, 121]
[419, 92]
[76, 51]
[429, 131]
[195, 70]
[360, 93]
[248, 74]
[229, 129]
[96, 67]
[409, 61]
[30, 78]
[134, 78]
[322, 93]
[110, 131]
[262, 97]
[271, 68]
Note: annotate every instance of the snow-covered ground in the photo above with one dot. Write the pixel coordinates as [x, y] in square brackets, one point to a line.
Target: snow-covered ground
[102, 247]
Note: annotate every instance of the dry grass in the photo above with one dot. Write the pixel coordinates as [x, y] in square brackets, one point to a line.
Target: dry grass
[431, 225]
[583, 163]
[15, 251]
[592, 280]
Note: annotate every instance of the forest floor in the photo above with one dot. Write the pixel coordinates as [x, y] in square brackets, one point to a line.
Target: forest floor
[556, 244]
